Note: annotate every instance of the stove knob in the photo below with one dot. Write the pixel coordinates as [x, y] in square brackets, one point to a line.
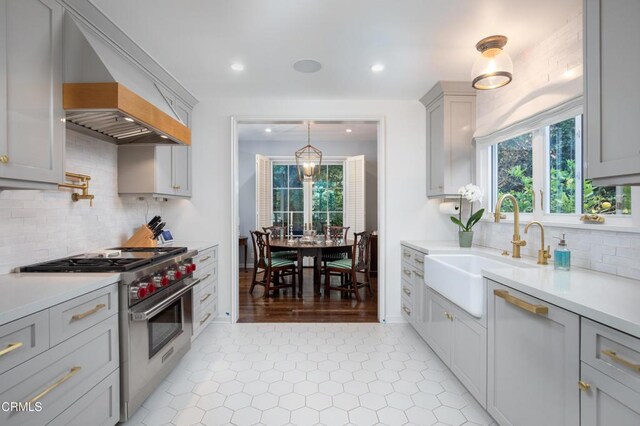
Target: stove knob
[147, 287]
[137, 292]
[178, 275]
[193, 267]
[164, 281]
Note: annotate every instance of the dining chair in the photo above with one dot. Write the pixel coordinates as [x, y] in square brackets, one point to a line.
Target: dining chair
[274, 269]
[350, 268]
[279, 231]
[333, 232]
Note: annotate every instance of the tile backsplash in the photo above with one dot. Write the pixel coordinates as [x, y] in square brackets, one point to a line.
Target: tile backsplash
[604, 251]
[41, 225]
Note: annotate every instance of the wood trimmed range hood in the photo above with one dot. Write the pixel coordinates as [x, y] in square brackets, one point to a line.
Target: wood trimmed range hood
[117, 113]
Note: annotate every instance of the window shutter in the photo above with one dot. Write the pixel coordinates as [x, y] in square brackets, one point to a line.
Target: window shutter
[264, 194]
[354, 194]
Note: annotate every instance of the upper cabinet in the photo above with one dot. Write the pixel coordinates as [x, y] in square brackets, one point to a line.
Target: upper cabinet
[32, 128]
[612, 89]
[157, 171]
[451, 121]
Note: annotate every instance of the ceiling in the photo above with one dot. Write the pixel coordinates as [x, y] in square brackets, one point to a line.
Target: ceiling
[418, 41]
[297, 132]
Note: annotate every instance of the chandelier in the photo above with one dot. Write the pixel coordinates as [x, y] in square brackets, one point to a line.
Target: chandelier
[308, 160]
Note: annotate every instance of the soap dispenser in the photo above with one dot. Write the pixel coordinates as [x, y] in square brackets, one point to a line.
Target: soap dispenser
[562, 255]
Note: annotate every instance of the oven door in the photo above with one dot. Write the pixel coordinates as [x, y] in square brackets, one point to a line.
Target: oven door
[159, 334]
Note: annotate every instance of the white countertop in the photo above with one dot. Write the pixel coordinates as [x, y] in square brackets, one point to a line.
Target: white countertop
[197, 245]
[606, 298]
[26, 293]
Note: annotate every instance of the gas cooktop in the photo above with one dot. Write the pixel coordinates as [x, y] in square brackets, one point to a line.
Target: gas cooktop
[129, 258]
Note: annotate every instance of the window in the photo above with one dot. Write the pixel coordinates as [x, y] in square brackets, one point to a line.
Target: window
[542, 168]
[295, 201]
[513, 171]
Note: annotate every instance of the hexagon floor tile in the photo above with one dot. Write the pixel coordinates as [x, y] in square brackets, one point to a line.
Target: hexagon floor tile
[331, 374]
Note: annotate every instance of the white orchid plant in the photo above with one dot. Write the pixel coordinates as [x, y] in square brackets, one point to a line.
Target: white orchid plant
[472, 194]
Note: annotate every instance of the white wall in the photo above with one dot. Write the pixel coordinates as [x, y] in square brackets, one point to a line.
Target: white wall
[41, 225]
[544, 75]
[247, 151]
[409, 215]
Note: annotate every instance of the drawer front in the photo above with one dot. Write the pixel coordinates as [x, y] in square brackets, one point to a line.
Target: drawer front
[23, 339]
[418, 260]
[406, 307]
[407, 271]
[206, 258]
[204, 315]
[407, 254]
[100, 406]
[62, 375]
[76, 315]
[614, 353]
[407, 289]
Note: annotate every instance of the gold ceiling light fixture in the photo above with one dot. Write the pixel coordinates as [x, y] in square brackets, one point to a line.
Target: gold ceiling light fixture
[308, 160]
[494, 67]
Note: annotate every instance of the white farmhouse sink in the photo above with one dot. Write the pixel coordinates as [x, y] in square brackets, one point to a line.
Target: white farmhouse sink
[458, 277]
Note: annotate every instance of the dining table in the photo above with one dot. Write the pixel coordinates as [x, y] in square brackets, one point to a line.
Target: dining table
[310, 248]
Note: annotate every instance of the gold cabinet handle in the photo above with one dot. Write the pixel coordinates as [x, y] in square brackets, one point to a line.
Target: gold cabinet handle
[617, 359]
[406, 291]
[534, 309]
[205, 297]
[420, 274]
[407, 310]
[54, 385]
[406, 254]
[406, 272]
[205, 277]
[584, 386]
[4, 159]
[77, 317]
[418, 260]
[204, 259]
[10, 347]
[202, 321]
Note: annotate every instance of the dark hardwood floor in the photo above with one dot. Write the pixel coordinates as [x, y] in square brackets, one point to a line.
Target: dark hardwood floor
[308, 308]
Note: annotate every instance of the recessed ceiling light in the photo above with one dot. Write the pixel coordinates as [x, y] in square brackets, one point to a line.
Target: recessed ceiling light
[377, 67]
[268, 130]
[237, 67]
[164, 137]
[349, 130]
[129, 119]
[307, 65]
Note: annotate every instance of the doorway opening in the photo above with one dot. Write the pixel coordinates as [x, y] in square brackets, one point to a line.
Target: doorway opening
[344, 192]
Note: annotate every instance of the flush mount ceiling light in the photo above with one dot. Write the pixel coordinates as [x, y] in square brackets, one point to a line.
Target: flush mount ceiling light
[349, 130]
[268, 130]
[308, 160]
[237, 67]
[377, 67]
[493, 68]
[307, 66]
[129, 119]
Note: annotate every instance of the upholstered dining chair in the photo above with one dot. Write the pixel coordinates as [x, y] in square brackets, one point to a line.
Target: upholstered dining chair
[274, 269]
[278, 231]
[350, 268]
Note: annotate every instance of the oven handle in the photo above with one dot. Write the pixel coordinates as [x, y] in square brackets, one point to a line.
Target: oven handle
[156, 309]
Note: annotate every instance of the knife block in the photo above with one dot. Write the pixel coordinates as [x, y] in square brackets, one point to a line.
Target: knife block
[143, 237]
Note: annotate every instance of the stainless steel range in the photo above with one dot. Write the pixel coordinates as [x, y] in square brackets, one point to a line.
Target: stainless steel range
[155, 311]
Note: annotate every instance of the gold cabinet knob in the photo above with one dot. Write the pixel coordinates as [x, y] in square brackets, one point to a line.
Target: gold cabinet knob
[584, 386]
[4, 159]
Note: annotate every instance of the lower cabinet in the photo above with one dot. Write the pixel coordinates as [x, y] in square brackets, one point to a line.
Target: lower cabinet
[606, 401]
[533, 360]
[459, 340]
[205, 295]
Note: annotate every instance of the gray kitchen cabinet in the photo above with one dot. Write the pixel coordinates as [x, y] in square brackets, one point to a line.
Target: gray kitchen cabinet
[612, 91]
[533, 360]
[459, 340]
[606, 402]
[158, 171]
[416, 293]
[450, 123]
[32, 128]
[439, 333]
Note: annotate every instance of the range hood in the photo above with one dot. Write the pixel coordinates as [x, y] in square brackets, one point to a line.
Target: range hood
[108, 96]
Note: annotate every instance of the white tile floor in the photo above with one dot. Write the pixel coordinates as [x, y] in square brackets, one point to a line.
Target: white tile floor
[309, 374]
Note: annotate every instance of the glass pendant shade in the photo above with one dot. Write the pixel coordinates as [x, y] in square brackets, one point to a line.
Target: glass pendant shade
[308, 160]
[494, 67]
